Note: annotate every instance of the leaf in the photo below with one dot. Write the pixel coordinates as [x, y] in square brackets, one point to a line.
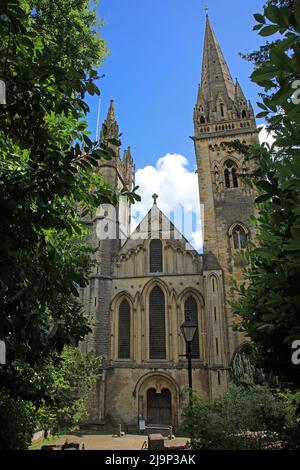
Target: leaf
[88, 141]
[275, 119]
[262, 106]
[102, 153]
[259, 18]
[52, 331]
[293, 245]
[90, 88]
[281, 60]
[92, 161]
[74, 290]
[115, 142]
[269, 30]
[263, 73]
[267, 186]
[272, 13]
[266, 327]
[297, 12]
[287, 43]
[262, 115]
[270, 104]
[269, 317]
[77, 149]
[263, 198]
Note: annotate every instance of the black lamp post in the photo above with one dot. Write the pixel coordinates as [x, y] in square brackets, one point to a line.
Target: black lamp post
[188, 329]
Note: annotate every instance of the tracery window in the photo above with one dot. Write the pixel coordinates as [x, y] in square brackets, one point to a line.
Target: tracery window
[191, 312]
[157, 327]
[156, 261]
[231, 175]
[124, 330]
[239, 238]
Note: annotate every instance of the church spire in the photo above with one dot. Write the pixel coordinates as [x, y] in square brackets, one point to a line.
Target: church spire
[110, 127]
[111, 111]
[216, 77]
[220, 100]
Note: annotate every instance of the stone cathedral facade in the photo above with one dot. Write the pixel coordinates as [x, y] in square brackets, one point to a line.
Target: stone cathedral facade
[145, 284]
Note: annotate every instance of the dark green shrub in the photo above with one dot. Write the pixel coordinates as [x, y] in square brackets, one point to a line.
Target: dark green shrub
[17, 418]
[242, 419]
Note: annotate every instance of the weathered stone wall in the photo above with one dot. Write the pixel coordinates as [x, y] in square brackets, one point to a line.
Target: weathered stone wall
[96, 298]
[222, 208]
[127, 398]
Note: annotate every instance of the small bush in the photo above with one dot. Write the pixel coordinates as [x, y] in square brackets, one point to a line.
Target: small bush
[17, 418]
[242, 419]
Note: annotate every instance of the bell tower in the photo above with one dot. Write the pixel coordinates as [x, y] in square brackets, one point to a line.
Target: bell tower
[109, 228]
[222, 115]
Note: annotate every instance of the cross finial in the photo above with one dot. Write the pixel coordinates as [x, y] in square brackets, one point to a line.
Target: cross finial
[154, 197]
[206, 8]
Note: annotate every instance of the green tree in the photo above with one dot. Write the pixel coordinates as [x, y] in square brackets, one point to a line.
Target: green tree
[242, 419]
[269, 300]
[258, 57]
[18, 421]
[54, 396]
[49, 179]
[69, 379]
[243, 371]
[46, 179]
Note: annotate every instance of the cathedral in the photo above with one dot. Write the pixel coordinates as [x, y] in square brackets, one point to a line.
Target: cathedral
[146, 283]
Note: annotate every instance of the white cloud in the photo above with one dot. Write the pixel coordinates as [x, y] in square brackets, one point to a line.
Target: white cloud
[177, 190]
[196, 240]
[265, 136]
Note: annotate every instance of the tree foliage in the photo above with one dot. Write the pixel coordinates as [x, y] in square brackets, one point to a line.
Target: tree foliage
[269, 300]
[49, 179]
[258, 57]
[69, 378]
[54, 396]
[18, 421]
[243, 372]
[242, 419]
[49, 62]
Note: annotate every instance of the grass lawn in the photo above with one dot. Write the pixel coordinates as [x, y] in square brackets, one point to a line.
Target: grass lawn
[44, 442]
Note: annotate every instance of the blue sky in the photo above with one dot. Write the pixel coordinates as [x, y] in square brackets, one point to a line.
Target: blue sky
[155, 67]
[153, 75]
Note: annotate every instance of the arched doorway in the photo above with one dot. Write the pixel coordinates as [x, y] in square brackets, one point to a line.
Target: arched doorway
[159, 407]
[158, 391]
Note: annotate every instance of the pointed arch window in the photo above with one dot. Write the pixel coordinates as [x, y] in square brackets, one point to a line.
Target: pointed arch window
[235, 178]
[124, 330]
[239, 238]
[231, 175]
[191, 313]
[157, 327]
[227, 178]
[156, 258]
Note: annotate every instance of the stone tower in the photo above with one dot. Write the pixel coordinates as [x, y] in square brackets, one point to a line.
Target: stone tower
[110, 227]
[118, 173]
[223, 115]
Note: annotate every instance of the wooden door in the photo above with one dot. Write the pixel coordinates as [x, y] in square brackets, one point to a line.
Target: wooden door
[159, 409]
